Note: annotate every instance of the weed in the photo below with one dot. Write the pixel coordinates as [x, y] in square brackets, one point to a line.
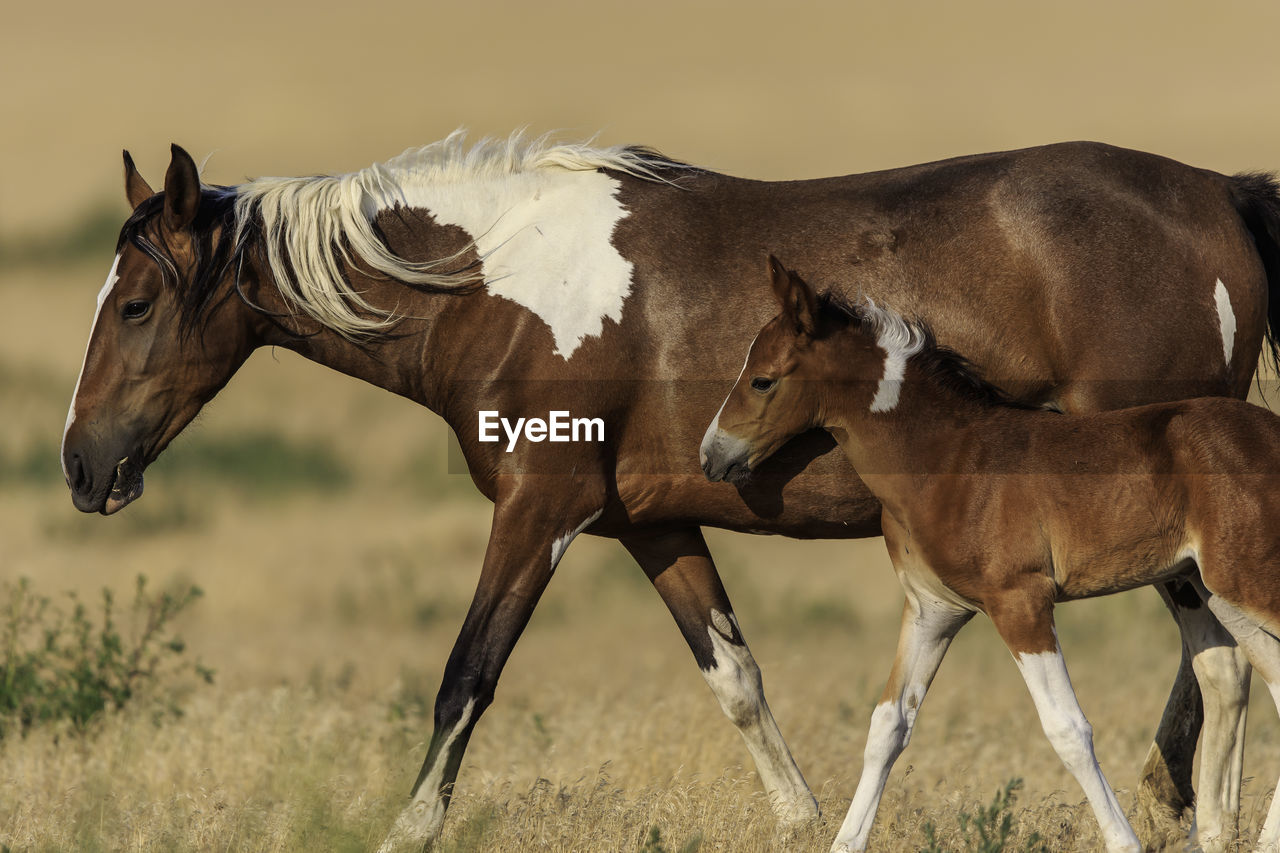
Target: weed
[57, 666]
[990, 830]
[654, 844]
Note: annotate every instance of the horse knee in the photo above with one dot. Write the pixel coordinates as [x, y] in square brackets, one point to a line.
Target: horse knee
[887, 735]
[735, 680]
[1223, 674]
[1072, 739]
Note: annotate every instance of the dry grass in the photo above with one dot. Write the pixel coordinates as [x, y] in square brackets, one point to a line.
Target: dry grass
[331, 605]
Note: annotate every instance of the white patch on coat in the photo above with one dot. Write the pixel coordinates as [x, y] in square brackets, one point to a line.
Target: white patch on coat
[562, 543]
[1226, 320]
[112, 277]
[900, 340]
[541, 216]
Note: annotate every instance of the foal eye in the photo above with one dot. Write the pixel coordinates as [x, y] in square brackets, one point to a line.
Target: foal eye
[136, 309]
[761, 384]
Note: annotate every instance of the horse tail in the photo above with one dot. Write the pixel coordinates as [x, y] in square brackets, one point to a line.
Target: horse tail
[1256, 196]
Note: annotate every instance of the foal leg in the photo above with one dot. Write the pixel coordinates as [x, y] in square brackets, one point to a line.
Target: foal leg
[682, 572]
[1263, 650]
[1025, 623]
[928, 627]
[531, 529]
[1223, 673]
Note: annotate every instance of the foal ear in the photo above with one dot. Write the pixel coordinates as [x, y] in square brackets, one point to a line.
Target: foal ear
[136, 188]
[799, 302]
[181, 191]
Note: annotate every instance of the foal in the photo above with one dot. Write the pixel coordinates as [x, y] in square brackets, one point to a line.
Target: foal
[994, 507]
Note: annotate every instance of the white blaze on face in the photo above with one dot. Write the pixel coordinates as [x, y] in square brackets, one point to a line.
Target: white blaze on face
[112, 278]
[709, 437]
[1226, 320]
[544, 240]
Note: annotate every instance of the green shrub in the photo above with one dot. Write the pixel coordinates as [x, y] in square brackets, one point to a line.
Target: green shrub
[59, 666]
[991, 830]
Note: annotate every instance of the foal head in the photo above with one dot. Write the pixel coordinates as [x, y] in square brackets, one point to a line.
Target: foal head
[811, 354]
[167, 336]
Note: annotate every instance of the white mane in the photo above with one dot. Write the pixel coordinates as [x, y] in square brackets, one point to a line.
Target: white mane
[311, 225]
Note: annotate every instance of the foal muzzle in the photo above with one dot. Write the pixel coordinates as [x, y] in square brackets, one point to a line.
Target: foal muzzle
[724, 457]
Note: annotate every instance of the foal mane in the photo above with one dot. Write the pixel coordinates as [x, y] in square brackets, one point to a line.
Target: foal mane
[916, 342]
[310, 226]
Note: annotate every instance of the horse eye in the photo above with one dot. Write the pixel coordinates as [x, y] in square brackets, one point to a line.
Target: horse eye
[136, 309]
[761, 384]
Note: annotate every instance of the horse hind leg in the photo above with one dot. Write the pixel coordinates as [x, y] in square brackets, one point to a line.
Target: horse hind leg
[1263, 650]
[680, 568]
[1024, 620]
[1222, 671]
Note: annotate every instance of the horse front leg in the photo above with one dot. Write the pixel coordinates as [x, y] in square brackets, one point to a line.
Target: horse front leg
[928, 627]
[681, 570]
[530, 532]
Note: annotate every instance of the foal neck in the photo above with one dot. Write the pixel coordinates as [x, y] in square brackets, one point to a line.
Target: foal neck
[925, 408]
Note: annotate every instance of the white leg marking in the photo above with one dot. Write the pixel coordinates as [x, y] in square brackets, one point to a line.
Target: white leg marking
[562, 544]
[1263, 651]
[1223, 674]
[1065, 725]
[112, 278]
[422, 819]
[926, 633]
[735, 681]
[1226, 320]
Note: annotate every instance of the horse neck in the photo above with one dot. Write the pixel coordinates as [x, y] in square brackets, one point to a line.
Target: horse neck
[913, 432]
[406, 360]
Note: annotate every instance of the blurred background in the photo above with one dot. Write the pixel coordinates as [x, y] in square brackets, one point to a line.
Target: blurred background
[336, 578]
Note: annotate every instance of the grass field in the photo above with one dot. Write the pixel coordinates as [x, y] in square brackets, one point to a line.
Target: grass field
[335, 579]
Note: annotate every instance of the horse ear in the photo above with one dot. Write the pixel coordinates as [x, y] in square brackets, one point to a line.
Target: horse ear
[181, 191]
[799, 302]
[136, 188]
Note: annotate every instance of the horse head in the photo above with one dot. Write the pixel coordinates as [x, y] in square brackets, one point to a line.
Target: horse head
[167, 336]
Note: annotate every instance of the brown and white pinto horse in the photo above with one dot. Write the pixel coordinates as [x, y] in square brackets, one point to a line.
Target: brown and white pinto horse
[990, 505]
[524, 278]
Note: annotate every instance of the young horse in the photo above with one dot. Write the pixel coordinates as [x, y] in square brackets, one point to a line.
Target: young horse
[521, 279]
[994, 506]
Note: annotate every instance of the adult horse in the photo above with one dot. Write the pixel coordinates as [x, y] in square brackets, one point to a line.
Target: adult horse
[521, 279]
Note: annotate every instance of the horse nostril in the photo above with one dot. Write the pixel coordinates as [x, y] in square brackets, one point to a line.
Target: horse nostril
[77, 478]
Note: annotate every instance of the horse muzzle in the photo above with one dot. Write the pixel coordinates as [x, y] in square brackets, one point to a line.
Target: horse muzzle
[724, 457]
[106, 490]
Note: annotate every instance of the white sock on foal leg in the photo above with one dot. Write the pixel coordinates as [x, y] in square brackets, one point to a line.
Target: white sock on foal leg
[1263, 651]
[926, 632]
[1065, 725]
